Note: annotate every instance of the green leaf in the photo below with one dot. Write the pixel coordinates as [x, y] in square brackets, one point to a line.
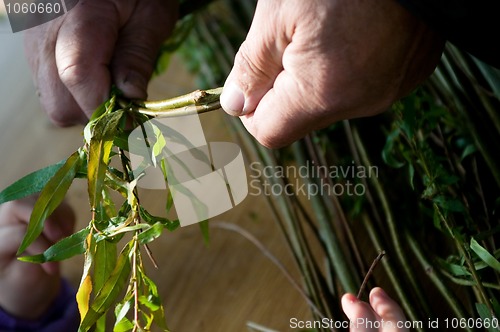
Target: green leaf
[470, 149]
[99, 151]
[148, 303]
[436, 218]
[409, 114]
[485, 314]
[496, 305]
[104, 263]
[123, 325]
[100, 111]
[160, 143]
[30, 184]
[110, 291]
[205, 231]
[171, 225]
[50, 198]
[153, 301]
[411, 175]
[151, 233]
[123, 308]
[454, 269]
[389, 150]
[121, 140]
[449, 204]
[484, 255]
[170, 198]
[460, 270]
[66, 248]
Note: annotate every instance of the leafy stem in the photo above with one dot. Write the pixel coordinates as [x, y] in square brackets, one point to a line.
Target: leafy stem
[135, 253]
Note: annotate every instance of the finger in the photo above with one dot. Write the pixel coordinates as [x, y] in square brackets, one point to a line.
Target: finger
[55, 99]
[12, 236]
[16, 212]
[58, 225]
[138, 45]
[84, 49]
[386, 307]
[359, 313]
[258, 61]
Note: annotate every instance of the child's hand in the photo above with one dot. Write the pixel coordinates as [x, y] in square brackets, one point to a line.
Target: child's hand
[382, 312]
[27, 289]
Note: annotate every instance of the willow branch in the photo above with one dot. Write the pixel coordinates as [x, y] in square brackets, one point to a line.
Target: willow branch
[369, 273]
[198, 97]
[182, 111]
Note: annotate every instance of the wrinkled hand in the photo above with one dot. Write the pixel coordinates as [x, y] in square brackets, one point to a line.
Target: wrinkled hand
[77, 57]
[27, 289]
[382, 311]
[307, 64]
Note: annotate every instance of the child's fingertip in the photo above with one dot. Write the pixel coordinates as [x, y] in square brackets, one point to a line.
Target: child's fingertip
[350, 298]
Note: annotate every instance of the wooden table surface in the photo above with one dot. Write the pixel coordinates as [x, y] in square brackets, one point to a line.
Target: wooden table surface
[216, 288]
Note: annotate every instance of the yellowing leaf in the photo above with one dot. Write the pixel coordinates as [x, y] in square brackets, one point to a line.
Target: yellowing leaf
[110, 290]
[100, 147]
[83, 296]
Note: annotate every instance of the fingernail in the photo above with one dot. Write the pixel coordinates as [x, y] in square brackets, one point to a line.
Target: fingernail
[232, 100]
[134, 85]
[379, 292]
[351, 298]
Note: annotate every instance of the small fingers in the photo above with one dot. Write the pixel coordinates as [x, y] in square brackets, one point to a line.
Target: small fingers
[12, 236]
[387, 308]
[359, 313]
[57, 226]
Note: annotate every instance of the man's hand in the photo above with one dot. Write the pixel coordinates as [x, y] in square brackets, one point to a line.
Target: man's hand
[382, 311]
[27, 289]
[307, 64]
[77, 57]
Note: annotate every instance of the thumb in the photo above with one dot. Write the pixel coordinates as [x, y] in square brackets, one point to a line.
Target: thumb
[138, 44]
[257, 63]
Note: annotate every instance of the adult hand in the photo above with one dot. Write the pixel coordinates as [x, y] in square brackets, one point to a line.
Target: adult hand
[382, 311]
[77, 57]
[27, 289]
[307, 64]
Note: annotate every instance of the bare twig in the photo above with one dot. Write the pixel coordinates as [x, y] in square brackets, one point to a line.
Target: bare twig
[369, 273]
[151, 257]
